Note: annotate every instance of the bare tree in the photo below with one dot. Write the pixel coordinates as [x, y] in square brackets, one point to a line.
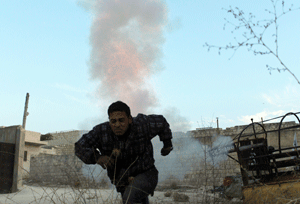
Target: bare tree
[252, 33]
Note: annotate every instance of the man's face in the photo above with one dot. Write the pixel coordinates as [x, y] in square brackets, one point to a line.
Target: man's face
[119, 122]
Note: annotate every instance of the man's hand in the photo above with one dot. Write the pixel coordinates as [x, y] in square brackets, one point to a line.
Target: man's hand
[168, 147]
[105, 161]
[166, 150]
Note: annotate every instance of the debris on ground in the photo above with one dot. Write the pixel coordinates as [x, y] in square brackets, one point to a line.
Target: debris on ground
[180, 197]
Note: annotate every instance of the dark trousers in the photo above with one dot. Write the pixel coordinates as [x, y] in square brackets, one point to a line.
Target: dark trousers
[142, 185]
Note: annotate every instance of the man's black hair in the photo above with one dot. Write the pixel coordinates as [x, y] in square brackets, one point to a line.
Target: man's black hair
[119, 106]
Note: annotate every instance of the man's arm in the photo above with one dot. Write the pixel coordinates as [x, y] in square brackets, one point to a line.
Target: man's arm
[159, 126]
[85, 147]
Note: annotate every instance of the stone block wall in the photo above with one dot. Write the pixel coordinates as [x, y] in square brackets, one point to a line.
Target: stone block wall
[68, 170]
[67, 137]
[208, 174]
[205, 136]
[67, 149]
[63, 141]
[55, 169]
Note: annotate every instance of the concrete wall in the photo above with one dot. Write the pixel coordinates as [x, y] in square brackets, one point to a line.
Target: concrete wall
[33, 147]
[60, 169]
[31, 136]
[63, 141]
[287, 136]
[8, 134]
[66, 137]
[208, 174]
[33, 150]
[30, 149]
[64, 170]
[15, 135]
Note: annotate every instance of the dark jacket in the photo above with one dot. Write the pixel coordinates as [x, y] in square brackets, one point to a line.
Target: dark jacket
[136, 152]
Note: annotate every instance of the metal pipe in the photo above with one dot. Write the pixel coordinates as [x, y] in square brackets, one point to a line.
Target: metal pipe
[246, 147]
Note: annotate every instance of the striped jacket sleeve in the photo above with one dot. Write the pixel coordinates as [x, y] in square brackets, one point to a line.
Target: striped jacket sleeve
[159, 126]
[86, 147]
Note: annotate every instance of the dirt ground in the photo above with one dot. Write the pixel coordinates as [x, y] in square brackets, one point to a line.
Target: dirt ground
[60, 195]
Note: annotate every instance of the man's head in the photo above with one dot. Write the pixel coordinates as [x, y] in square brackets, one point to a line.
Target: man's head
[119, 117]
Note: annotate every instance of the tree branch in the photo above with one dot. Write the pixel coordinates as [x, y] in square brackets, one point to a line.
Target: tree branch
[254, 33]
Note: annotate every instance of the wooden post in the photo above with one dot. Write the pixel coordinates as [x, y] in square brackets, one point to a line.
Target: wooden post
[25, 111]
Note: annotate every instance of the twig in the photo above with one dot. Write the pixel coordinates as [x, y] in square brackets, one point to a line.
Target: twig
[252, 39]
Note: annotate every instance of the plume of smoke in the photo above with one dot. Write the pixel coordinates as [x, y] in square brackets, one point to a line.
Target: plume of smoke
[219, 150]
[126, 38]
[89, 123]
[177, 122]
[189, 155]
[178, 163]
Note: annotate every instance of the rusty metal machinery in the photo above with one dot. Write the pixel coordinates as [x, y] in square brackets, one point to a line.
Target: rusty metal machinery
[265, 167]
[252, 151]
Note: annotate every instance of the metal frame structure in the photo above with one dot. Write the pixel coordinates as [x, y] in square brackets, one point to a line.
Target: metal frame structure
[259, 162]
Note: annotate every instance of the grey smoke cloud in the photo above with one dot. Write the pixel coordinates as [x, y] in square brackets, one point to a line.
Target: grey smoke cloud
[126, 40]
[190, 155]
[178, 123]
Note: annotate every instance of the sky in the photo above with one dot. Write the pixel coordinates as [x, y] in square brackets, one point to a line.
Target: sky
[75, 58]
